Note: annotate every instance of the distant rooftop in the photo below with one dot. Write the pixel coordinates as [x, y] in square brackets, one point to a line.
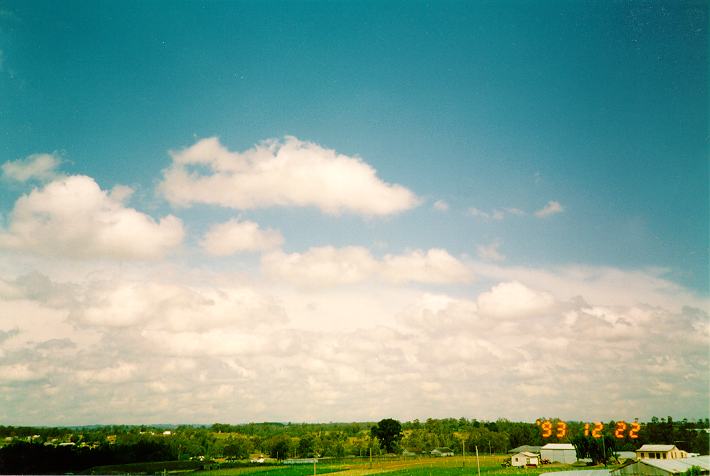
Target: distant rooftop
[656, 448]
[523, 448]
[558, 446]
[680, 465]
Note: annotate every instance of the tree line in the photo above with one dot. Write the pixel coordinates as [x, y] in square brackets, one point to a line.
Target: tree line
[103, 445]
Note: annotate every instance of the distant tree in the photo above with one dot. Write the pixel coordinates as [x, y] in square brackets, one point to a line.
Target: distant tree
[237, 448]
[305, 446]
[279, 447]
[388, 432]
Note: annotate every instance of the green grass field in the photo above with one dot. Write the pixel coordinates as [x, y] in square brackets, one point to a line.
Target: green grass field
[291, 470]
[417, 466]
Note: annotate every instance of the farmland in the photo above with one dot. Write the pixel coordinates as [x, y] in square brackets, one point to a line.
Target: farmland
[416, 466]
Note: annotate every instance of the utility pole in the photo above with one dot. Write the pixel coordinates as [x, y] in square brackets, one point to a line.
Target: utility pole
[463, 453]
[478, 464]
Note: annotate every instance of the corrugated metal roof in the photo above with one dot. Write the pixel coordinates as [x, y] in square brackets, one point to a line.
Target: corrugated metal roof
[679, 465]
[520, 449]
[558, 446]
[584, 472]
[656, 448]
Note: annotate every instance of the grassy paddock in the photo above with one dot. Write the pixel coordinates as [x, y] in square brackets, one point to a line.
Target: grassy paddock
[290, 470]
[146, 467]
[490, 465]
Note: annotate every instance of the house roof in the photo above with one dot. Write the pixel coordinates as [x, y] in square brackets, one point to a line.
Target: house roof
[680, 465]
[558, 446]
[528, 454]
[520, 449]
[656, 448]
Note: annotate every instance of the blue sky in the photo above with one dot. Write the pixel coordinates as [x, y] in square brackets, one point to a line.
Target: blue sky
[555, 152]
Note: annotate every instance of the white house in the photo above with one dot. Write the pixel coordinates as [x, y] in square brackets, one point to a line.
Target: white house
[558, 453]
[524, 458]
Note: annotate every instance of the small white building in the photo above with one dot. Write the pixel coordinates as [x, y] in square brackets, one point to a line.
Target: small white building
[558, 453]
[443, 451]
[524, 458]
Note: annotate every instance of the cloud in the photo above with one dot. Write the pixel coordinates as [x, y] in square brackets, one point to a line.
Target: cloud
[497, 214]
[433, 266]
[159, 305]
[321, 266]
[490, 252]
[163, 345]
[234, 236]
[121, 373]
[610, 285]
[291, 173]
[72, 217]
[18, 373]
[33, 167]
[325, 266]
[552, 208]
[513, 299]
[441, 205]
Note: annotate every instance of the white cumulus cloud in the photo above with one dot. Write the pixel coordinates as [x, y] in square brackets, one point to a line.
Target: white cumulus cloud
[72, 217]
[552, 208]
[327, 265]
[513, 299]
[321, 266]
[291, 173]
[433, 266]
[35, 166]
[238, 236]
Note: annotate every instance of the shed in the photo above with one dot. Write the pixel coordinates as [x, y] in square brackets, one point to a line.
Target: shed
[442, 451]
[524, 458]
[528, 448]
[559, 453]
[664, 467]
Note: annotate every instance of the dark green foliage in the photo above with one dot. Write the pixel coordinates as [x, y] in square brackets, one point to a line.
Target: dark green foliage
[35, 458]
[388, 432]
[693, 471]
[279, 447]
[600, 450]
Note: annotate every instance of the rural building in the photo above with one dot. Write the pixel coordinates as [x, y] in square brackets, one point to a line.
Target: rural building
[660, 452]
[442, 452]
[664, 467]
[558, 453]
[527, 448]
[524, 458]
[623, 455]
